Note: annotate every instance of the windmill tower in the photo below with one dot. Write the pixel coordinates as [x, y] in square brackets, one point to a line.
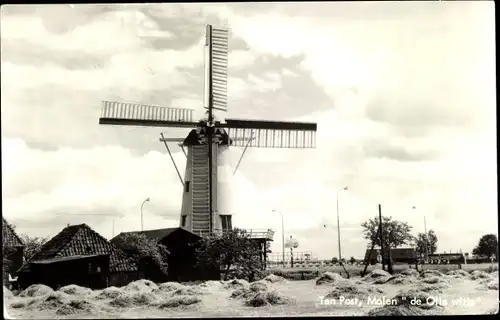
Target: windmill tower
[206, 184]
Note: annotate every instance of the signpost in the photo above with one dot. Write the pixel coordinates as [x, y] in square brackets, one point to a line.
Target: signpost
[292, 243]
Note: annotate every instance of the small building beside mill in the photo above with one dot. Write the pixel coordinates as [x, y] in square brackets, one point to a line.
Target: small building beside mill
[181, 260]
[12, 250]
[78, 255]
[399, 255]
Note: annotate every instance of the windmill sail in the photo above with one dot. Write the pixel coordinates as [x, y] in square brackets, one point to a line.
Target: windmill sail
[120, 113]
[216, 68]
[271, 134]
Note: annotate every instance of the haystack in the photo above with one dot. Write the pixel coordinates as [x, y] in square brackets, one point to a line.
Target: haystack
[76, 307]
[265, 298]
[274, 278]
[434, 280]
[134, 299]
[178, 302]
[258, 286]
[36, 290]
[460, 273]
[186, 291]
[141, 286]
[351, 290]
[211, 284]
[248, 293]
[401, 279]
[52, 301]
[73, 289]
[242, 293]
[109, 293]
[169, 286]
[478, 274]
[388, 311]
[431, 273]
[377, 277]
[403, 305]
[236, 284]
[492, 285]
[410, 272]
[329, 278]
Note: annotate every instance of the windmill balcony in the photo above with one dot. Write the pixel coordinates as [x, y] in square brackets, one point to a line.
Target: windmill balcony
[267, 234]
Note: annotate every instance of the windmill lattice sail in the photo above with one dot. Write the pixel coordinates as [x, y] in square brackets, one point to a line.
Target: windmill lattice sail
[123, 113]
[218, 55]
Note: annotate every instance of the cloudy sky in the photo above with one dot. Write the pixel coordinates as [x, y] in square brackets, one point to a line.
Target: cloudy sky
[403, 94]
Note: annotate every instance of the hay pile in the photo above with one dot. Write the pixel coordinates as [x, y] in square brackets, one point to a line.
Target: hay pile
[492, 285]
[175, 302]
[431, 273]
[265, 298]
[377, 277]
[492, 281]
[141, 286]
[73, 289]
[402, 279]
[477, 274]
[134, 299]
[258, 286]
[76, 307]
[409, 272]
[329, 278]
[36, 290]
[258, 294]
[274, 278]
[109, 293]
[235, 284]
[211, 284]
[248, 293]
[404, 307]
[349, 290]
[52, 301]
[458, 274]
[168, 287]
[186, 291]
[22, 304]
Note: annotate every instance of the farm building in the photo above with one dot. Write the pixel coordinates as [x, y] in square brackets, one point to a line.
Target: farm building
[181, 260]
[12, 249]
[93, 261]
[440, 258]
[399, 255]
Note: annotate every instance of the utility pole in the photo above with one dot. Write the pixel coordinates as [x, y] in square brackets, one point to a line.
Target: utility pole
[338, 223]
[426, 240]
[381, 228]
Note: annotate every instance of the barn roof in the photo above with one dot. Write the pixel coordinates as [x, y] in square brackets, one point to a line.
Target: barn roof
[9, 236]
[156, 234]
[82, 240]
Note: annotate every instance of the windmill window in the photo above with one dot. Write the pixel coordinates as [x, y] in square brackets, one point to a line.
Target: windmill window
[186, 186]
[183, 221]
[226, 222]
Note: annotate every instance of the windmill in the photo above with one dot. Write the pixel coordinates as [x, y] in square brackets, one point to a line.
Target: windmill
[205, 208]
